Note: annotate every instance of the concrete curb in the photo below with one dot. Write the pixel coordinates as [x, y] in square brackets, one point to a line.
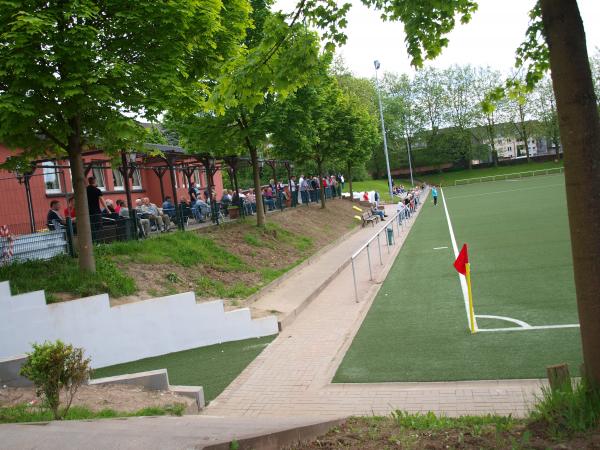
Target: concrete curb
[154, 380]
[279, 439]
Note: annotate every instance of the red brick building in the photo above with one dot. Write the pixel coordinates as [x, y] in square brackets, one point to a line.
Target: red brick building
[52, 180]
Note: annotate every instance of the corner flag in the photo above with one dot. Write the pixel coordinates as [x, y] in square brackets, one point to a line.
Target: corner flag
[462, 260]
[463, 267]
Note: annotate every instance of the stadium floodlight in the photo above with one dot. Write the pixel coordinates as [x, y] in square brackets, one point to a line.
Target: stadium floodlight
[385, 149]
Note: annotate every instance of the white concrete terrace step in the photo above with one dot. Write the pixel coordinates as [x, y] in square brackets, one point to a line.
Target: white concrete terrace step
[123, 333]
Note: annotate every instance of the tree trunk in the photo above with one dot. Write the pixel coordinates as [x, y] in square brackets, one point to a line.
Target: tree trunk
[260, 210]
[85, 248]
[524, 134]
[349, 170]
[580, 131]
[321, 189]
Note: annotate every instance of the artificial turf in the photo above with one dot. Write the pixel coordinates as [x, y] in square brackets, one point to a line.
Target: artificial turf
[212, 367]
[416, 329]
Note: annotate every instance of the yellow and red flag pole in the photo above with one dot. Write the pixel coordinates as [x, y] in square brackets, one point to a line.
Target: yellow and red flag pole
[471, 310]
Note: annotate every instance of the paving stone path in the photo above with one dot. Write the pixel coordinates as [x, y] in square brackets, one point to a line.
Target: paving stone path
[292, 377]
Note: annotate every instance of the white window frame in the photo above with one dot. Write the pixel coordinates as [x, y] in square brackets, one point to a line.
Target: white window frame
[99, 171]
[118, 175]
[51, 171]
[137, 187]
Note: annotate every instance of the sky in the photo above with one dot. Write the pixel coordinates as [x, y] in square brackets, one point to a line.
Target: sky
[490, 39]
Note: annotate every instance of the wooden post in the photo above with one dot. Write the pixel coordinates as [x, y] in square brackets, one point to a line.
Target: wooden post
[559, 377]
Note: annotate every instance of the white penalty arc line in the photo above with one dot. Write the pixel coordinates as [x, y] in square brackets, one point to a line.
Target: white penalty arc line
[529, 328]
[463, 280]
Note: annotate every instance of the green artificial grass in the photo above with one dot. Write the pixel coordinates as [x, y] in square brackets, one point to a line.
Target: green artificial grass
[212, 367]
[448, 178]
[416, 329]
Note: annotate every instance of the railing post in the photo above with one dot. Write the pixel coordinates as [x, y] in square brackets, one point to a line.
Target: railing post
[69, 236]
[369, 258]
[354, 277]
[379, 247]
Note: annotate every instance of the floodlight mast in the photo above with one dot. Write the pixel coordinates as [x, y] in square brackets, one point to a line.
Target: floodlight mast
[385, 149]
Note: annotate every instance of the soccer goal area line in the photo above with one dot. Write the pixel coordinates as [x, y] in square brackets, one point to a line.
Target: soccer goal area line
[510, 176]
[522, 326]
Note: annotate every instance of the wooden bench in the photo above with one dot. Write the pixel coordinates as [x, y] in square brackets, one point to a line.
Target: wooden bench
[368, 217]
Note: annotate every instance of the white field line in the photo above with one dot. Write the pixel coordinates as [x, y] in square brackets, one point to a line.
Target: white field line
[463, 280]
[506, 191]
[439, 248]
[539, 327]
[507, 319]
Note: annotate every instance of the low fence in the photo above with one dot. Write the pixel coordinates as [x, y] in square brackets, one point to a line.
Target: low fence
[42, 245]
[510, 176]
[391, 232]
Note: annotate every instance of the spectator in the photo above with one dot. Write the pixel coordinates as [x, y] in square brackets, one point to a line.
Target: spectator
[378, 212]
[303, 190]
[168, 207]
[161, 220]
[94, 198]
[54, 220]
[70, 209]
[293, 190]
[251, 200]
[366, 196]
[434, 194]
[193, 191]
[143, 217]
[121, 209]
[200, 209]
[376, 198]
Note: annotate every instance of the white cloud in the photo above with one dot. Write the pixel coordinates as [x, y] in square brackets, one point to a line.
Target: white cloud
[491, 38]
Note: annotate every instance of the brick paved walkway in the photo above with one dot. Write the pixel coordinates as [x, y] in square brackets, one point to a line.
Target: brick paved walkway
[292, 377]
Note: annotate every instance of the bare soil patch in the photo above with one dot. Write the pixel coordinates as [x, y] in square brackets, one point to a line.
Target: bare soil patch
[290, 237]
[117, 397]
[371, 434]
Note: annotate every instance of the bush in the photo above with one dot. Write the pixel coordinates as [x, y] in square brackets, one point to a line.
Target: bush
[568, 411]
[53, 366]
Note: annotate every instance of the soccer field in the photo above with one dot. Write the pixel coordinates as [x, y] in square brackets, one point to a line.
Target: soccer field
[523, 291]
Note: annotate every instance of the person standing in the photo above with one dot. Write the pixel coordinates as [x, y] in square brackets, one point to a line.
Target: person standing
[434, 194]
[94, 198]
[293, 191]
[54, 220]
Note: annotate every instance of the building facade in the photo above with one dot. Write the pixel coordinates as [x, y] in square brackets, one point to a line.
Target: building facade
[51, 180]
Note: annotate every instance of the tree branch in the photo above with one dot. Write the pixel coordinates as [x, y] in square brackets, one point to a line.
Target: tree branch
[54, 138]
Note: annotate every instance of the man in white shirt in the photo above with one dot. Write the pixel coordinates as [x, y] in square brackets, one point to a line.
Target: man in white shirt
[302, 187]
[293, 190]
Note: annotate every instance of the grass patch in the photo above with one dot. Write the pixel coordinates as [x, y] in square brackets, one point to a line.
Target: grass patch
[185, 249]
[61, 274]
[212, 367]
[210, 287]
[28, 413]
[568, 411]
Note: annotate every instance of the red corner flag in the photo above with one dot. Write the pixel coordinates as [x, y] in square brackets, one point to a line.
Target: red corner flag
[461, 260]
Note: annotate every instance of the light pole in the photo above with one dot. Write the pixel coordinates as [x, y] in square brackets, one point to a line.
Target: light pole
[385, 150]
[412, 183]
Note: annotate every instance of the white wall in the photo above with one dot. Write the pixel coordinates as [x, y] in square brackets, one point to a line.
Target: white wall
[126, 332]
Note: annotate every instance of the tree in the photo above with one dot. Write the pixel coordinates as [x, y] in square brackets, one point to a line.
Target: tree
[274, 62]
[544, 110]
[520, 110]
[555, 40]
[306, 125]
[492, 105]
[459, 88]
[401, 104]
[74, 73]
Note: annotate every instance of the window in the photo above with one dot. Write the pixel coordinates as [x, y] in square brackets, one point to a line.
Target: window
[136, 180]
[98, 173]
[118, 183]
[51, 178]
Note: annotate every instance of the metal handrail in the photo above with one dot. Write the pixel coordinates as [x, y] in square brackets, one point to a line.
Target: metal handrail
[391, 221]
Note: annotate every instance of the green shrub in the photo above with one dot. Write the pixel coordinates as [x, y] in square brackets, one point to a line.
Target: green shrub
[54, 366]
[568, 411]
